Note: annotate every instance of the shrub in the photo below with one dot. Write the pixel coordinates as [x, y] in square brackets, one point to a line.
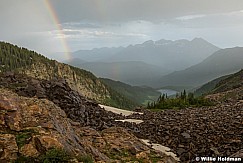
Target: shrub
[23, 137]
[55, 156]
[86, 159]
[24, 159]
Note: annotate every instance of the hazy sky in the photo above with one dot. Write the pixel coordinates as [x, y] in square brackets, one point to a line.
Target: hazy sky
[88, 24]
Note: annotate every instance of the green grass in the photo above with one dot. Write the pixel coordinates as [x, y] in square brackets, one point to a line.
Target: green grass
[23, 137]
[23, 159]
[154, 158]
[55, 156]
[85, 159]
[51, 156]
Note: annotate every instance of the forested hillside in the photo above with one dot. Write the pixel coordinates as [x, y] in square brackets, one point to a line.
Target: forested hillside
[22, 60]
[140, 95]
[206, 88]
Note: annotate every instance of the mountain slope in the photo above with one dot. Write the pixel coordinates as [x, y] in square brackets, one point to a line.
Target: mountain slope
[206, 88]
[96, 54]
[221, 84]
[231, 82]
[13, 58]
[138, 94]
[228, 90]
[131, 72]
[222, 62]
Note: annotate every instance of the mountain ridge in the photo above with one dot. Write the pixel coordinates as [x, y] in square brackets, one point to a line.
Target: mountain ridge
[167, 55]
[222, 62]
[152, 53]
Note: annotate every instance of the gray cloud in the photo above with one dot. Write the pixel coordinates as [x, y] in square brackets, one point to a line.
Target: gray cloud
[80, 25]
[222, 20]
[129, 10]
[27, 23]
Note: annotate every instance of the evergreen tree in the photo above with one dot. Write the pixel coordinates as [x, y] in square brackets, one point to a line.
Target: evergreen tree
[182, 101]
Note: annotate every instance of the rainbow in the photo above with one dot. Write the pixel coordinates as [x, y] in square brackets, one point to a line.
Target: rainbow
[59, 28]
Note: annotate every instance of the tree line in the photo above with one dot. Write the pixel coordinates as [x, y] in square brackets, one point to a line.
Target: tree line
[13, 57]
[180, 101]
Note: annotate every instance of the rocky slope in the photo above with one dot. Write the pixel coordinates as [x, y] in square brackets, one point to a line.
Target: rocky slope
[207, 131]
[76, 106]
[37, 130]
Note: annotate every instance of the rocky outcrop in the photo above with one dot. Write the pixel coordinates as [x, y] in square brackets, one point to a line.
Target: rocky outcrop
[118, 144]
[35, 126]
[29, 127]
[76, 106]
[89, 86]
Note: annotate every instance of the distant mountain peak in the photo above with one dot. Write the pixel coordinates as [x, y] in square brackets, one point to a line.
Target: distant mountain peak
[149, 42]
[199, 39]
[202, 42]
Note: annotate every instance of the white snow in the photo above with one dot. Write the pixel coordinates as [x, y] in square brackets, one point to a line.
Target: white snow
[118, 111]
[161, 148]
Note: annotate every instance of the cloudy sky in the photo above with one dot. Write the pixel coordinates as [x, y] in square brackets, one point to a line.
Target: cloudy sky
[50, 26]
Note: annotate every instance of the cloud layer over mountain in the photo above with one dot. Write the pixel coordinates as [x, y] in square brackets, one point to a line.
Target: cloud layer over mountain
[88, 24]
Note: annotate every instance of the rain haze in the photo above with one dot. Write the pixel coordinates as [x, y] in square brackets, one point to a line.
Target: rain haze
[51, 26]
[121, 80]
